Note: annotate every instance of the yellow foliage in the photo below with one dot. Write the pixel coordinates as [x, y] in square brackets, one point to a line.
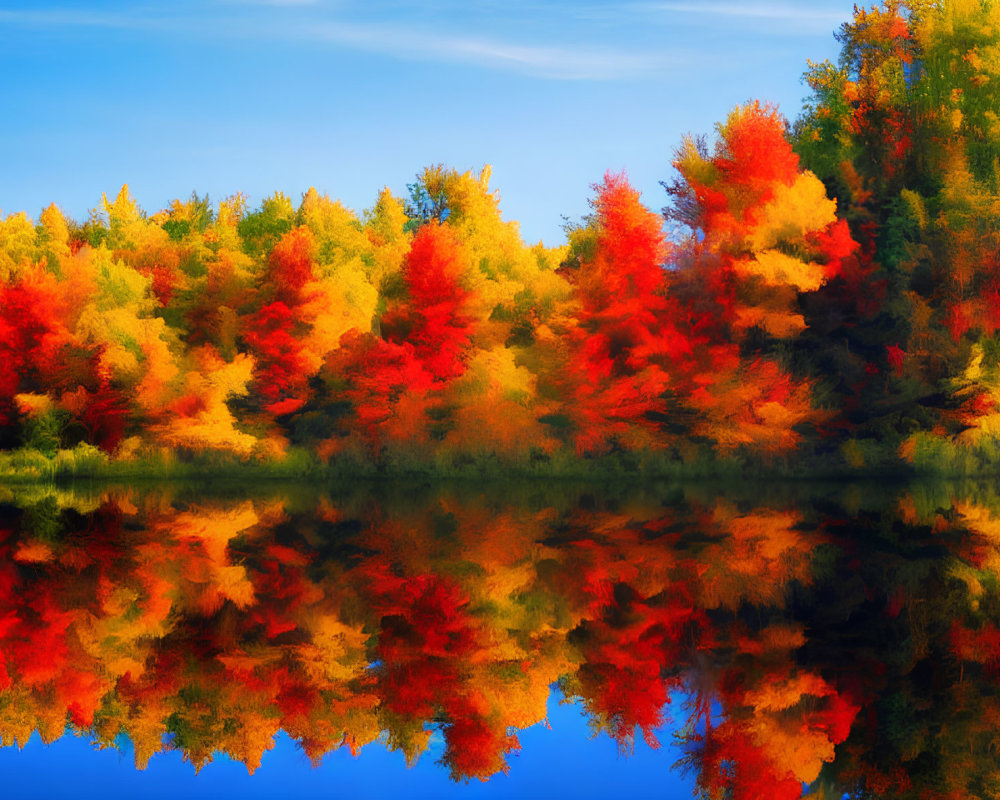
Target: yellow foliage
[775, 638]
[343, 301]
[146, 728]
[213, 527]
[777, 269]
[159, 372]
[124, 210]
[975, 380]
[985, 425]
[340, 238]
[787, 692]
[229, 379]
[970, 577]
[19, 717]
[980, 521]
[213, 427]
[387, 218]
[254, 737]
[496, 410]
[800, 750]
[223, 233]
[17, 245]
[502, 583]
[233, 584]
[53, 240]
[773, 532]
[213, 577]
[337, 652]
[496, 374]
[915, 204]
[231, 210]
[33, 405]
[50, 722]
[500, 265]
[33, 551]
[692, 164]
[113, 637]
[778, 323]
[54, 222]
[127, 225]
[385, 227]
[119, 317]
[742, 410]
[974, 370]
[793, 212]
[760, 553]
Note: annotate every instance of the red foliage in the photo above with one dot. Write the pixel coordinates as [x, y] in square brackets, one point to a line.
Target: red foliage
[836, 718]
[628, 339]
[426, 646]
[280, 587]
[957, 321]
[756, 154]
[105, 417]
[164, 282]
[837, 246]
[187, 406]
[630, 251]
[376, 373]
[434, 320]
[275, 334]
[980, 645]
[295, 697]
[896, 356]
[162, 264]
[291, 264]
[281, 362]
[732, 765]
[476, 749]
[428, 609]
[31, 336]
[629, 650]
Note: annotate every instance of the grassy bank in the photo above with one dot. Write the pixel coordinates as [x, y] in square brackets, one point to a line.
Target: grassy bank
[88, 463]
[922, 455]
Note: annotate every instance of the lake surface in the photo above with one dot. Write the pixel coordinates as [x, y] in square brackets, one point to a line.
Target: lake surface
[504, 640]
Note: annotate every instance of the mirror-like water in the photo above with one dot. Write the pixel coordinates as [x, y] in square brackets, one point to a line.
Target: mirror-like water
[799, 640]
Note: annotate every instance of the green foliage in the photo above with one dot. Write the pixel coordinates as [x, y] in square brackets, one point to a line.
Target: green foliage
[261, 230]
[43, 432]
[44, 519]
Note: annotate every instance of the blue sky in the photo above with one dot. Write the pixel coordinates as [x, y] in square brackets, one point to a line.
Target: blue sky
[221, 96]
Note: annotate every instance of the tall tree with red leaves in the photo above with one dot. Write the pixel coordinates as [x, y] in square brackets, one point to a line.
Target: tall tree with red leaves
[275, 333]
[627, 349]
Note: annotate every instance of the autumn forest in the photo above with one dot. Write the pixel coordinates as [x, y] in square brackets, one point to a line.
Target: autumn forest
[816, 296]
[572, 462]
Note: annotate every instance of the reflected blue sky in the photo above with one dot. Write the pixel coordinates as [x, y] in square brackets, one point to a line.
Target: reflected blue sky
[561, 761]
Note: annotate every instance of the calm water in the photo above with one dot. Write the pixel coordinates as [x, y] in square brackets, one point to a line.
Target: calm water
[512, 640]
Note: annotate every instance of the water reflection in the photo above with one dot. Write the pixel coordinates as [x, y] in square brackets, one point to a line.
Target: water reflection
[830, 640]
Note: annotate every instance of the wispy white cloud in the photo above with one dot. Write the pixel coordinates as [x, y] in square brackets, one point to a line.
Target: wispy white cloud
[781, 14]
[555, 62]
[279, 3]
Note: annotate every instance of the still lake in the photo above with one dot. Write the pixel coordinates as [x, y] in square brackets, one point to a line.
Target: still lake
[501, 640]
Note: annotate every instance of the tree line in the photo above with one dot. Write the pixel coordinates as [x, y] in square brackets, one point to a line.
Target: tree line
[828, 298]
